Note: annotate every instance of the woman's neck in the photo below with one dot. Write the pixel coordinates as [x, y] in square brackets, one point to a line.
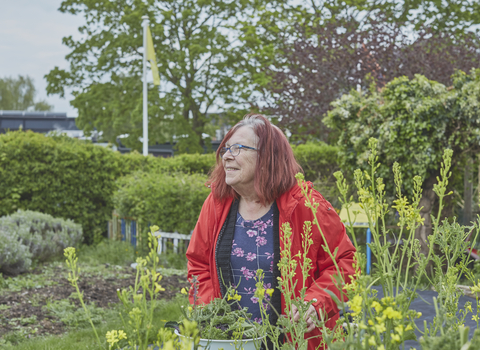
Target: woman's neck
[252, 209]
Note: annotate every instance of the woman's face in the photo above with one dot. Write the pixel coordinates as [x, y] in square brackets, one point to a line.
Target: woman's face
[240, 170]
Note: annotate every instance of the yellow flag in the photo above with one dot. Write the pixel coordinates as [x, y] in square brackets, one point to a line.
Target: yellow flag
[151, 57]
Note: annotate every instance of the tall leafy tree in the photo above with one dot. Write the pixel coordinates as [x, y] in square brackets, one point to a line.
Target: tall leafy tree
[19, 94]
[329, 60]
[414, 121]
[197, 51]
[307, 54]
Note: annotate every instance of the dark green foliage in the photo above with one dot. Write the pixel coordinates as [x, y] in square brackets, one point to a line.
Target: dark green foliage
[319, 161]
[59, 176]
[27, 236]
[73, 179]
[171, 201]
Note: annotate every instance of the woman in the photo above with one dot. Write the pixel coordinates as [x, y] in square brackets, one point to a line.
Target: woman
[254, 192]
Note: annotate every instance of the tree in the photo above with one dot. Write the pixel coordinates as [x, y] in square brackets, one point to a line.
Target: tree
[414, 121]
[196, 50]
[329, 60]
[19, 94]
[306, 54]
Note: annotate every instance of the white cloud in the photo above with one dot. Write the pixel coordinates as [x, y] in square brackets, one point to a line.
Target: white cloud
[31, 33]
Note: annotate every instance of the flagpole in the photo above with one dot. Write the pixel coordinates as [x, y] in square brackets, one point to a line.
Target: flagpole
[145, 24]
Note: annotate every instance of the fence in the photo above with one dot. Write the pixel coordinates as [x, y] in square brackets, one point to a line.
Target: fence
[126, 229]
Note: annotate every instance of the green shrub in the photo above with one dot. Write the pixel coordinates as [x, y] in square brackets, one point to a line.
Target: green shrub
[108, 251]
[173, 202]
[319, 161]
[74, 179]
[28, 235]
[60, 176]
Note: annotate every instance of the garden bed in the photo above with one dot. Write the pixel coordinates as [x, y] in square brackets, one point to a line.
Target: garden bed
[32, 304]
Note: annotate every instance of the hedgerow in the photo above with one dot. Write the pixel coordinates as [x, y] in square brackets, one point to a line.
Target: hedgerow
[73, 179]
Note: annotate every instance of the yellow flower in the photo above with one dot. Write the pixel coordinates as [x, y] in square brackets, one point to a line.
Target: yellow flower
[377, 306]
[122, 335]
[419, 314]
[370, 322]
[474, 289]
[112, 337]
[184, 291]
[469, 308]
[356, 305]
[391, 313]
[380, 328]
[270, 291]
[399, 329]
[395, 338]
[408, 328]
[190, 309]
[381, 347]
[475, 318]
[371, 341]
[158, 288]
[234, 297]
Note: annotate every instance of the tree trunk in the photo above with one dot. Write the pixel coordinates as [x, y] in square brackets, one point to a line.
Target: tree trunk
[427, 201]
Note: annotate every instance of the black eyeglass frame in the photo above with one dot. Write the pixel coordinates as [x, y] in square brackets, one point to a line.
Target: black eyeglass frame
[224, 150]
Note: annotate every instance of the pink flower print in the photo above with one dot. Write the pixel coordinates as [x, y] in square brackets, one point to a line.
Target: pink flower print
[254, 300]
[269, 223]
[260, 225]
[261, 241]
[271, 267]
[247, 273]
[248, 291]
[251, 233]
[238, 252]
[258, 320]
[269, 256]
[251, 256]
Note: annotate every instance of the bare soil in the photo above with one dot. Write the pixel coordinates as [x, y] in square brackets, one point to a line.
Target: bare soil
[96, 289]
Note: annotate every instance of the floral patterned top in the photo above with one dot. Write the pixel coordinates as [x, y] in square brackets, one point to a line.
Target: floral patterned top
[252, 249]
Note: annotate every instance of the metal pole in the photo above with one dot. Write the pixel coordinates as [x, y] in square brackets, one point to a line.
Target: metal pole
[145, 24]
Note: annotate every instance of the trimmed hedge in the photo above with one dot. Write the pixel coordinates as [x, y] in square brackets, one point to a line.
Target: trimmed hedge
[319, 161]
[73, 179]
[171, 201]
[28, 235]
[76, 179]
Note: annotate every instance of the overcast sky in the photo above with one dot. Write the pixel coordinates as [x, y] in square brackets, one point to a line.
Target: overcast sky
[31, 33]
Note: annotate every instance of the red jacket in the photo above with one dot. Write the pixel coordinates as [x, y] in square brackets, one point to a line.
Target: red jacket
[201, 250]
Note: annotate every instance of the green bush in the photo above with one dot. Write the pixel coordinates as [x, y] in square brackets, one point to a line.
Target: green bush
[27, 236]
[60, 176]
[319, 161]
[74, 179]
[108, 252]
[171, 201]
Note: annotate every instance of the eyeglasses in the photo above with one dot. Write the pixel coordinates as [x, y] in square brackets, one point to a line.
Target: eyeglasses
[234, 149]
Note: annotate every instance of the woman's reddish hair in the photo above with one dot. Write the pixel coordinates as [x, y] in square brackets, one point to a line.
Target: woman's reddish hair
[276, 165]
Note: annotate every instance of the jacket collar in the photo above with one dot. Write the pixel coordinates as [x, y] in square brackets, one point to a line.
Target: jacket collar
[286, 203]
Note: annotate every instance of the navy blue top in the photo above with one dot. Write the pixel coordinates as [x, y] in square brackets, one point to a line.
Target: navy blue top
[252, 249]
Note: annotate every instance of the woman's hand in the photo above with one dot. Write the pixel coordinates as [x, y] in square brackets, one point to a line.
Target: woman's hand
[310, 316]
